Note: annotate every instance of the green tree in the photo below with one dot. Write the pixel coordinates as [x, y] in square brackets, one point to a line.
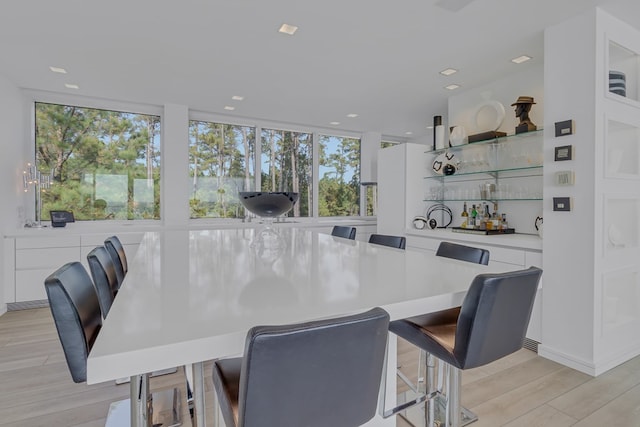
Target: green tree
[88, 151]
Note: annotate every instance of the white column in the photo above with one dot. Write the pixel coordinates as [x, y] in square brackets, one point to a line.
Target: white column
[14, 139]
[175, 166]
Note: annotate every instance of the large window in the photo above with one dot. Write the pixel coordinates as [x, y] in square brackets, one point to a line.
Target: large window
[106, 164]
[221, 164]
[287, 166]
[339, 174]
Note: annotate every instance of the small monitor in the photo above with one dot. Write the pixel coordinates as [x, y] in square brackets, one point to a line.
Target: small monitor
[61, 218]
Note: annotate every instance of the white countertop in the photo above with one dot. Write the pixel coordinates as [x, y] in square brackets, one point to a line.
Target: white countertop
[143, 226]
[521, 241]
[191, 296]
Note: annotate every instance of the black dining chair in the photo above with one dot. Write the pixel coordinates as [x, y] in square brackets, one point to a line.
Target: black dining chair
[454, 251]
[386, 240]
[116, 250]
[463, 253]
[77, 316]
[105, 279]
[342, 231]
[315, 374]
[76, 313]
[490, 324]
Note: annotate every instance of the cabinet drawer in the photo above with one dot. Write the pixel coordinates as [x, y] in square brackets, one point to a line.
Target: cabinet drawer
[423, 243]
[509, 256]
[62, 241]
[30, 284]
[94, 240]
[45, 258]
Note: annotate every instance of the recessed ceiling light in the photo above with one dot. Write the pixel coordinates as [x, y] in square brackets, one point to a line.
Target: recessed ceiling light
[334, 123]
[229, 107]
[408, 133]
[58, 70]
[71, 86]
[429, 127]
[288, 29]
[237, 98]
[352, 115]
[448, 71]
[521, 59]
[452, 87]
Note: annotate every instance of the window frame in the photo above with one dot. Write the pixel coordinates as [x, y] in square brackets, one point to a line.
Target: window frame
[32, 97]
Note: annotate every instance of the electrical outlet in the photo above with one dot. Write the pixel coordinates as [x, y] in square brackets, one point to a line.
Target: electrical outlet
[565, 178]
[562, 204]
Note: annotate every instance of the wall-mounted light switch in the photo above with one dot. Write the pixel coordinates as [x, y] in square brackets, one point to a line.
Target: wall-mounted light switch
[564, 128]
[563, 153]
[562, 204]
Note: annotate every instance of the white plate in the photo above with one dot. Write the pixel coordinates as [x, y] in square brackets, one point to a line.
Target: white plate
[489, 116]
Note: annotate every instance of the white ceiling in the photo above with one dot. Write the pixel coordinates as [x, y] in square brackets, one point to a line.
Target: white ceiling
[379, 59]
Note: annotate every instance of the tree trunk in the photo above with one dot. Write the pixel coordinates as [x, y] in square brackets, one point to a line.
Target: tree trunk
[272, 160]
[295, 182]
[247, 157]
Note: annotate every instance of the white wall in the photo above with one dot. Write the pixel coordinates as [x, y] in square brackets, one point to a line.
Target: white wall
[568, 247]
[12, 135]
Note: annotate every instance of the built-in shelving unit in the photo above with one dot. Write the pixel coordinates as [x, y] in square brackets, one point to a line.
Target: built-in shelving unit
[512, 164]
[620, 229]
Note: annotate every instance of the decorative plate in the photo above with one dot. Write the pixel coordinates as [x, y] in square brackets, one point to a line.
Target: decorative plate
[489, 116]
[442, 160]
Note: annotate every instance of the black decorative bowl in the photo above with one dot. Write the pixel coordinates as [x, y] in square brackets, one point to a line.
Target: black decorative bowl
[267, 204]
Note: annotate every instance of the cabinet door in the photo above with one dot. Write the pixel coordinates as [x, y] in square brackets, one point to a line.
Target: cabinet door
[535, 324]
[30, 284]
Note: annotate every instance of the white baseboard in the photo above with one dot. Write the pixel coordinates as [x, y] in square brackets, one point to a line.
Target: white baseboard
[572, 362]
[593, 368]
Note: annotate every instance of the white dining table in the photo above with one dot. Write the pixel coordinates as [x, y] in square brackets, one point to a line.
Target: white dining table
[190, 296]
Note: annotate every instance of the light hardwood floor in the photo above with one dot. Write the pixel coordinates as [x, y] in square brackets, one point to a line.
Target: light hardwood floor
[521, 390]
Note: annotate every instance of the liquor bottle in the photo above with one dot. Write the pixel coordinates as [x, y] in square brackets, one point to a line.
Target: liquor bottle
[474, 214]
[479, 217]
[486, 219]
[504, 224]
[465, 216]
[494, 217]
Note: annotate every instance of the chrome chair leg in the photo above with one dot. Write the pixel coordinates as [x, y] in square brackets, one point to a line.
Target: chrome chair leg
[456, 414]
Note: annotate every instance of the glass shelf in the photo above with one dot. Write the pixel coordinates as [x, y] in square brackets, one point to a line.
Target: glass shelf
[528, 199]
[623, 73]
[520, 136]
[489, 172]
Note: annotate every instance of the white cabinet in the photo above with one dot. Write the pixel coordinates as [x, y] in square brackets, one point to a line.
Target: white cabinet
[31, 259]
[399, 187]
[36, 258]
[514, 257]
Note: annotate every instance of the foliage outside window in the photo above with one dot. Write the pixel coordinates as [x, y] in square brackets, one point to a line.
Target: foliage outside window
[221, 164]
[386, 144]
[287, 166]
[339, 176]
[106, 164]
